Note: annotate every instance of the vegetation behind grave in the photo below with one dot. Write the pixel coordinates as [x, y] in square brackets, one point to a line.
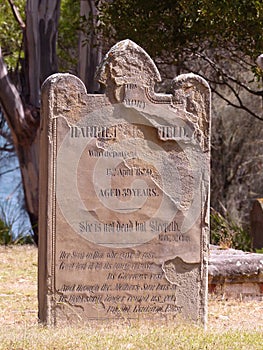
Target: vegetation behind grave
[7, 237]
[5, 233]
[227, 233]
[11, 220]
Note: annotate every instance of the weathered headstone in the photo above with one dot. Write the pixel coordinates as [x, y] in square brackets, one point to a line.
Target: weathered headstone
[124, 201]
[256, 223]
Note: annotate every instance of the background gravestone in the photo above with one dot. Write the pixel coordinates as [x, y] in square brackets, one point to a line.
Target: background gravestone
[256, 223]
[124, 201]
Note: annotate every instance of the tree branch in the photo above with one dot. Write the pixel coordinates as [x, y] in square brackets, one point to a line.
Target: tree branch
[221, 71]
[223, 97]
[9, 171]
[20, 123]
[7, 147]
[17, 15]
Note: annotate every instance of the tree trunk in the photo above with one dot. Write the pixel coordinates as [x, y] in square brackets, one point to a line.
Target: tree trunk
[22, 112]
[90, 49]
[40, 45]
[23, 126]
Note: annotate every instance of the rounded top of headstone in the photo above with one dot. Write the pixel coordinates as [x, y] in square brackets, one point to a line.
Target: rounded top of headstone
[127, 63]
[257, 204]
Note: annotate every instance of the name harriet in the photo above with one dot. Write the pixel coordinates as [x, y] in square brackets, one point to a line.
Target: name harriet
[94, 131]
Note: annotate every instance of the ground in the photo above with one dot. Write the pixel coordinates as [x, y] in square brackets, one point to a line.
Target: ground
[18, 301]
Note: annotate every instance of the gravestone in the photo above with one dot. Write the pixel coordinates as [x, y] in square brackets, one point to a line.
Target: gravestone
[256, 223]
[124, 195]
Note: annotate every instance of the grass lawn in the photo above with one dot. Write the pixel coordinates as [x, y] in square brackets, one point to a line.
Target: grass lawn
[232, 324]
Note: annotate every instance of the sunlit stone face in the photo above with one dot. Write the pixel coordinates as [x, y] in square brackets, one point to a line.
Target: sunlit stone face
[125, 195]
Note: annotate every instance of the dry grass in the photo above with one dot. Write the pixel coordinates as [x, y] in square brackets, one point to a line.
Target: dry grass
[232, 324]
[18, 285]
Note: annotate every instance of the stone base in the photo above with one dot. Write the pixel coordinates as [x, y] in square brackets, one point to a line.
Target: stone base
[235, 274]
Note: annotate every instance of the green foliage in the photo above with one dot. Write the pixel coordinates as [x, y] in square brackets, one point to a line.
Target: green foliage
[10, 214]
[6, 236]
[173, 27]
[227, 233]
[168, 29]
[5, 233]
[11, 35]
[69, 26]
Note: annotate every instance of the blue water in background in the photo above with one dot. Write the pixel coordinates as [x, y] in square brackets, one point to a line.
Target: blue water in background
[12, 204]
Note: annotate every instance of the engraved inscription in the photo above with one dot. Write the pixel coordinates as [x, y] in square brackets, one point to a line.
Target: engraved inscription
[139, 288]
[173, 132]
[93, 132]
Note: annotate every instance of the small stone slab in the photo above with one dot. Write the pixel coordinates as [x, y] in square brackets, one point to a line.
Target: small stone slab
[234, 273]
[124, 195]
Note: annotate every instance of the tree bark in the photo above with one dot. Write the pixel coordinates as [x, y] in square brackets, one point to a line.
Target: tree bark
[23, 124]
[40, 45]
[22, 112]
[90, 49]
